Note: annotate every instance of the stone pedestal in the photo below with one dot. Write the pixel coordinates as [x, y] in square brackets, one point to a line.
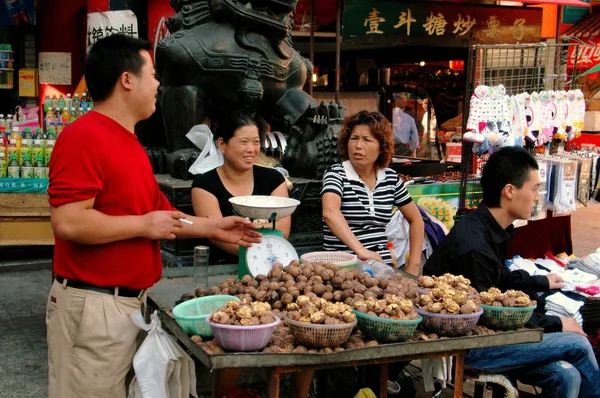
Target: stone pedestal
[306, 231]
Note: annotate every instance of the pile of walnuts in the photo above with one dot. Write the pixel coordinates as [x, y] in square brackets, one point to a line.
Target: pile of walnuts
[317, 310]
[459, 283]
[244, 314]
[447, 300]
[389, 307]
[510, 298]
[283, 285]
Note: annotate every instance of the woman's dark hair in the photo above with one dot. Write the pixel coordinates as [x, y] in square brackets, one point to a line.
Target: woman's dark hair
[229, 125]
[381, 130]
[510, 165]
[108, 59]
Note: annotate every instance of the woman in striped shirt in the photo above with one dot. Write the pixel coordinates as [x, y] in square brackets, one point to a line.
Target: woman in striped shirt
[359, 194]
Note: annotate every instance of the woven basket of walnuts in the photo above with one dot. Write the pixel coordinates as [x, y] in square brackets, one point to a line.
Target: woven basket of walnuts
[509, 310]
[318, 323]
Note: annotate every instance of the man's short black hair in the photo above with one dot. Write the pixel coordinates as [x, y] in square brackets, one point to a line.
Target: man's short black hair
[510, 165]
[108, 59]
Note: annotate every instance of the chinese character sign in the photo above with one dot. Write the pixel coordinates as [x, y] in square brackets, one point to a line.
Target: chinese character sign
[54, 68]
[102, 24]
[438, 23]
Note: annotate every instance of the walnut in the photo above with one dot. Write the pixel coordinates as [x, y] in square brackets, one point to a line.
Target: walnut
[287, 299]
[220, 317]
[348, 317]
[522, 301]
[391, 309]
[328, 296]
[294, 315]
[434, 307]
[405, 305]
[196, 339]
[292, 307]
[302, 300]
[300, 349]
[426, 282]
[267, 318]
[317, 317]
[304, 319]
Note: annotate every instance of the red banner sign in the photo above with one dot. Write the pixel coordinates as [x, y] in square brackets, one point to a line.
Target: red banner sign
[585, 57]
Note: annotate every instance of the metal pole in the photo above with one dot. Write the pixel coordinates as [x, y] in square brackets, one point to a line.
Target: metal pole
[338, 49]
[312, 45]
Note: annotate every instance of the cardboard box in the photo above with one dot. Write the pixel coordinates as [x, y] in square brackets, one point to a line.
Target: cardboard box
[28, 82]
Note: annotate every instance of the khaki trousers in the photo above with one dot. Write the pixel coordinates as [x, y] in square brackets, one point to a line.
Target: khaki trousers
[91, 342]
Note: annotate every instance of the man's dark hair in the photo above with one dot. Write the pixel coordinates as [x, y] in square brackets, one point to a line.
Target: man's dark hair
[510, 165]
[108, 59]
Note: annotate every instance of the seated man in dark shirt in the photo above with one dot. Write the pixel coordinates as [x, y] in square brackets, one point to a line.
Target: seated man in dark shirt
[563, 365]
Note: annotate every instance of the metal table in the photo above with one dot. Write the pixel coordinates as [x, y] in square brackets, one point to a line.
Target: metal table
[280, 363]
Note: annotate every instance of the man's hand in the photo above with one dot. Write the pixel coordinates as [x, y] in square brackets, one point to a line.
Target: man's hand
[365, 255]
[236, 230]
[162, 224]
[555, 281]
[571, 325]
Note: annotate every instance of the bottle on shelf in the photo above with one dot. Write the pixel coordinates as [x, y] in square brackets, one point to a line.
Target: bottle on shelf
[38, 133]
[3, 163]
[47, 103]
[3, 136]
[26, 146]
[54, 101]
[61, 102]
[39, 170]
[16, 135]
[51, 136]
[69, 101]
[48, 154]
[72, 114]
[76, 101]
[390, 246]
[13, 169]
[27, 167]
[200, 275]
[8, 122]
[66, 116]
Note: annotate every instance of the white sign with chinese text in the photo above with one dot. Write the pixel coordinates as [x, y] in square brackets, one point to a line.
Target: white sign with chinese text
[54, 68]
[102, 24]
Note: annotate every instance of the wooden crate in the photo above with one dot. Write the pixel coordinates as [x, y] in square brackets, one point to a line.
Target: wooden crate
[25, 220]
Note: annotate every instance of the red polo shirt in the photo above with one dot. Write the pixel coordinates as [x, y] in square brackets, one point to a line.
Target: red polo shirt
[95, 157]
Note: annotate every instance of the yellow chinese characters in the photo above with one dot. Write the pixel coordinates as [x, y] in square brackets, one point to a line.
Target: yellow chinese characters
[519, 29]
[493, 25]
[435, 24]
[373, 20]
[405, 19]
[463, 25]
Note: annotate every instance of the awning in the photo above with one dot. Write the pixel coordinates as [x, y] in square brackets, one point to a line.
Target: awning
[577, 3]
[588, 28]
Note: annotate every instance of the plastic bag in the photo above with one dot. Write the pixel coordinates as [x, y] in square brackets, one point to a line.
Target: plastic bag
[210, 157]
[162, 368]
[397, 232]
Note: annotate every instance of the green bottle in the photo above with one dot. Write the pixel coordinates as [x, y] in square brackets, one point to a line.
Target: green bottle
[3, 164]
[38, 133]
[39, 170]
[27, 167]
[14, 171]
[51, 134]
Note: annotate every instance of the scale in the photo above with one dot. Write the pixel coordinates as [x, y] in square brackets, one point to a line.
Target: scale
[260, 258]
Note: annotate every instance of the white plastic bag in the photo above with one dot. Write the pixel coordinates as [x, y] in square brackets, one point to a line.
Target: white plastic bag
[162, 368]
[210, 157]
[397, 232]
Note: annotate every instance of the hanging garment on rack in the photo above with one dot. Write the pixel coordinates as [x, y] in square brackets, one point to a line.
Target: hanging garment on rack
[518, 121]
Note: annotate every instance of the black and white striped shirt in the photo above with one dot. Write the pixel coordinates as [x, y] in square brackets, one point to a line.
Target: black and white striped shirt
[366, 212]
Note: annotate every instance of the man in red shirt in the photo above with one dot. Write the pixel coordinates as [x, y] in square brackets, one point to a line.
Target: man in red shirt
[108, 215]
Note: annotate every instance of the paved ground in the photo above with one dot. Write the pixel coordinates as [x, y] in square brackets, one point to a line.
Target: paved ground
[23, 352]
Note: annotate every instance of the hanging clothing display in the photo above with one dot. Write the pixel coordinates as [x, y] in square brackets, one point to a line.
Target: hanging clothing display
[533, 119]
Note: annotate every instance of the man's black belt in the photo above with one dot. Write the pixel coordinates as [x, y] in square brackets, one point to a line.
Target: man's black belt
[123, 291]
